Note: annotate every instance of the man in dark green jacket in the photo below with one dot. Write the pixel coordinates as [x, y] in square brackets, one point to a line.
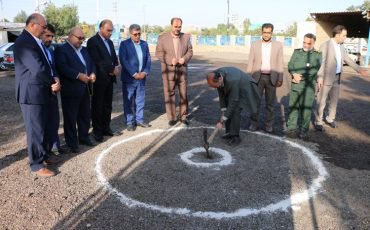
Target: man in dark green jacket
[237, 91]
[303, 67]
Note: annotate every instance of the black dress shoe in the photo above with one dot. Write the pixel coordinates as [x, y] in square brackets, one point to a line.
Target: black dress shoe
[319, 128]
[98, 138]
[226, 136]
[185, 122]
[74, 150]
[87, 143]
[172, 122]
[332, 124]
[108, 133]
[144, 125]
[234, 141]
[131, 128]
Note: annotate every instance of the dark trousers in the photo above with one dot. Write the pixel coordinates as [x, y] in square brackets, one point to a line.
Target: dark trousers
[76, 110]
[133, 101]
[232, 124]
[101, 107]
[53, 123]
[35, 118]
[265, 86]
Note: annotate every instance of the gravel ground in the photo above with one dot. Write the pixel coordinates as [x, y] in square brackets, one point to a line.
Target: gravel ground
[147, 168]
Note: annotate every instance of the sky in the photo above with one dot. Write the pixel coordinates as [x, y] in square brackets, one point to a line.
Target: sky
[198, 13]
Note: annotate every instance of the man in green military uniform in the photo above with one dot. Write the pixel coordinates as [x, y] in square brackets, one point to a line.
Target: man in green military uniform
[237, 91]
[303, 66]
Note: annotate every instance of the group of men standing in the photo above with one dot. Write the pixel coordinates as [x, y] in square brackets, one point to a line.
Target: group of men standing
[85, 78]
[313, 73]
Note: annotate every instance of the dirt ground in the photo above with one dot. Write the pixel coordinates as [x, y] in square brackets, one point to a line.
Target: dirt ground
[138, 180]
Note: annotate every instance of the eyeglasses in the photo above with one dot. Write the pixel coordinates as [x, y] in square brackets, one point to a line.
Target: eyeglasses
[79, 38]
[136, 34]
[44, 27]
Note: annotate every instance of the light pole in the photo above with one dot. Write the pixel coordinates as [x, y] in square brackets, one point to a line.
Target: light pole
[228, 16]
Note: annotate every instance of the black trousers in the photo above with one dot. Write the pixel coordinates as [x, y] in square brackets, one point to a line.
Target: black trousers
[76, 110]
[265, 86]
[101, 107]
[35, 118]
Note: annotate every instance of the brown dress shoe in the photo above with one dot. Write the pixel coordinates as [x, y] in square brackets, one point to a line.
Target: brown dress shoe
[44, 172]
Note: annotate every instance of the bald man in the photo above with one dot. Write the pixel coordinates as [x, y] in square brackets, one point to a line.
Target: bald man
[104, 56]
[76, 71]
[34, 86]
[237, 91]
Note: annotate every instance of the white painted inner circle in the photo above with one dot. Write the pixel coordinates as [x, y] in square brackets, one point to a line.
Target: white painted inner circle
[225, 160]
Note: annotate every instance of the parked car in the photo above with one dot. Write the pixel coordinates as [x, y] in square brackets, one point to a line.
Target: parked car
[354, 56]
[4, 48]
[9, 60]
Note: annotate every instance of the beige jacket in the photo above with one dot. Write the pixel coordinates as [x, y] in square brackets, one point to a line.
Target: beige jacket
[328, 68]
[277, 61]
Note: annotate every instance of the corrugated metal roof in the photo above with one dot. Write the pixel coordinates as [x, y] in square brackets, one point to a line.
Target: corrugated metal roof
[340, 12]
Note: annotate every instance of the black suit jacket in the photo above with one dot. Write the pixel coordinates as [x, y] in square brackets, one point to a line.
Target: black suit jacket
[69, 66]
[104, 61]
[32, 71]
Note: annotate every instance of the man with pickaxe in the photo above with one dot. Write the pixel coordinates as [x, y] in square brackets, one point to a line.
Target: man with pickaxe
[237, 91]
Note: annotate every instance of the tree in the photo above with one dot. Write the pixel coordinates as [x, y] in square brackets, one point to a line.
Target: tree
[246, 25]
[62, 18]
[291, 31]
[88, 29]
[20, 17]
[364, 6]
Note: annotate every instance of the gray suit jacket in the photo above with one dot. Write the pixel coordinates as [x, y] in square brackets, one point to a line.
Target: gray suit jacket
[328, 68]
[165, 52]
[277, 61]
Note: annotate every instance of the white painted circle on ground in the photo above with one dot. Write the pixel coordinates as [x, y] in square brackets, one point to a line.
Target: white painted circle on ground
[283, 205]
[226, 157]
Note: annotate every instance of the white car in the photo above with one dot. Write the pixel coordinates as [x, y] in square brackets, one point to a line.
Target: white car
[353, 56]
[3, 49]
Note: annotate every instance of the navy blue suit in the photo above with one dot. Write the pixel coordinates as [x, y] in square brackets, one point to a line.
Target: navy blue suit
[33, 82]
[74, 93]
[105, 62]
[133, 90]
[53, 110]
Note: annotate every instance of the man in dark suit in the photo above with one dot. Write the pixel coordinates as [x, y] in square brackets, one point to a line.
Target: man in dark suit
[34, 86]
[237, 91]
[76, 71]
[53, 110]
[103, 54]
[174, 51]
[135, 58]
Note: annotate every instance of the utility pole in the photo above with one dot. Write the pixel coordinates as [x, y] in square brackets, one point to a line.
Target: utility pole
[228, 16]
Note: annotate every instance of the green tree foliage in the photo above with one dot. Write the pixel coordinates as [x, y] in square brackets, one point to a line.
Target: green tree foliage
[246, 25]
[20, 17]
[88, 29]
[62, 18]
[363, 6]
[152, 29]
[221, 29]
[291, 31]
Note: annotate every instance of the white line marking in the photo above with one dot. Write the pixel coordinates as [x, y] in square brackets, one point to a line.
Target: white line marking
[283, 205]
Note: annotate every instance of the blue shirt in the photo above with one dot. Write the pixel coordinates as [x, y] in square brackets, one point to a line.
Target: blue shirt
[139, 53]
